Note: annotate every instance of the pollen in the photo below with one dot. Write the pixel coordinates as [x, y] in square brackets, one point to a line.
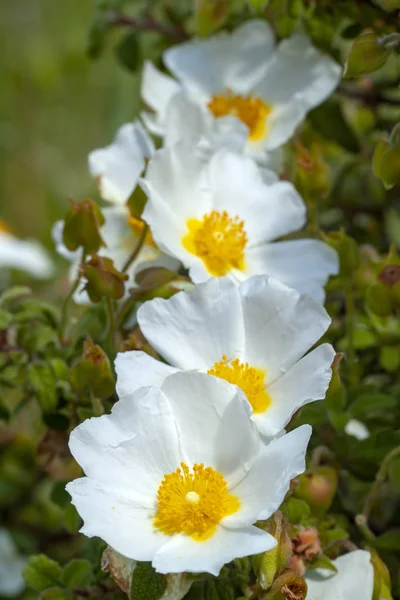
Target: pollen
[251, 110]
[250, 379]
[193, 502]
[219, 240]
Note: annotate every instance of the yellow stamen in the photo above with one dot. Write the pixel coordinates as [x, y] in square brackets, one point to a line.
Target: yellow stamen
[250, 379]
[137, 226]
[219, 240]
[193, 502]
[4, 228]
[251, 110]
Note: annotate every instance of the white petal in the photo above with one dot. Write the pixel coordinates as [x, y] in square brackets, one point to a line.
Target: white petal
[157, 89]
[239, 187]
[304, 264]
[184, 119]
[234, 61]
[280, 324]
[357, 429]
[114, 516]
[212, 417]
[355, 579]
[225, 132]
[183, 554]
[193, 331]
[282, 123]
[137, 369]
[133, 447]
[12, 581]
[304, 382]
[25, 255]
[117, 167]
[263, 489]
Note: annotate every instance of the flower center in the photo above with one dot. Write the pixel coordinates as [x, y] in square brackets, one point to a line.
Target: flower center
[193, 502]
[219, 240]
[250, 379]
[250, 109]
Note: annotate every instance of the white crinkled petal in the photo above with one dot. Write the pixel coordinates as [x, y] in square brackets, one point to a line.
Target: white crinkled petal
[193, 331]
[354, 579]
[136, 369]
[117, 167]
[183, 554]
[304, 382]
[235, 61]
[304, 264]
[212, 417]
[133, 447]
[263, 489]
[280, 324]
[185, 119]
[112, 514]
[25, 255]
[157, 89]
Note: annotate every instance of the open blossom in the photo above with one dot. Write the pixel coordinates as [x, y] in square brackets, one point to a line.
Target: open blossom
[221, 217]
[177, 475]
[243, 79]
[24, 255]
[254, 335]
[117, 167]
[354, 579]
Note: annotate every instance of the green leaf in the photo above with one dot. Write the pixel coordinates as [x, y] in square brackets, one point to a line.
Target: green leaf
[12, 297]
[56, 420]
[128, 52]
[72, 519]
[389, 540]
[54, 593]
[296, 510]
[322, 562]
[329, 122]
[42, 380]
[366, 55]
[42, 572]
[258, 5]
[77, 573]
[59, 494]
[6, 319]
[147, 584]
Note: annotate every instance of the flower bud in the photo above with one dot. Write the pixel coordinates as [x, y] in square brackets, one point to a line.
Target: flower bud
[92, 373]
[313, 177]
[378, 299]
[386, 159]
[346, 247]
[158, 282]
[209, 15]
[103, 279]
[274, 561]
[317, 487]
[367, 54]
[82, 227]
[290, 585]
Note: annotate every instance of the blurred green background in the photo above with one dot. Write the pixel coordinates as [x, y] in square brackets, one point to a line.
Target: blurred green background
[55, 106]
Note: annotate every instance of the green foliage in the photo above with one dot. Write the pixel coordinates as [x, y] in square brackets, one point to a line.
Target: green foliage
[41, 572]
[146, 583]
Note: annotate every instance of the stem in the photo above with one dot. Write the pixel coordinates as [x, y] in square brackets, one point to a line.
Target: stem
[362, 524]
[65, 306]
[136, 249]
[350, 313]
[124, 311]
[111, 331]
[148, 23]
[379, 480]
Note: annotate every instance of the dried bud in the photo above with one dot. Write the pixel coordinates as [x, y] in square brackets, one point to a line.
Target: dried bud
[367, 54]
[103, 279]
[313, 177]
[346, 247]
[93, 372]
[82, 227]
[307, 542]
[317, 487]
[274, 561]
[290, 585]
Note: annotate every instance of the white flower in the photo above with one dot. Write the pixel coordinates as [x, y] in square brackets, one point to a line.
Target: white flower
[220, 216]
[357, 429]
[254, 335]
[11, 565]
[121, 233]
[117, 167]
[177, 475]
[240, 75]
[24, 255]
[354, 579]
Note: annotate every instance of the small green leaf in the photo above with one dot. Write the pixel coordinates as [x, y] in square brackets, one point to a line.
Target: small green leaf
[128, 52]
[296, 510]
[42, 380]
[42, 572]
[389, 540]
[322, 562]
[77, 573]
[72, 519]
[147, 584]
[54, 593]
